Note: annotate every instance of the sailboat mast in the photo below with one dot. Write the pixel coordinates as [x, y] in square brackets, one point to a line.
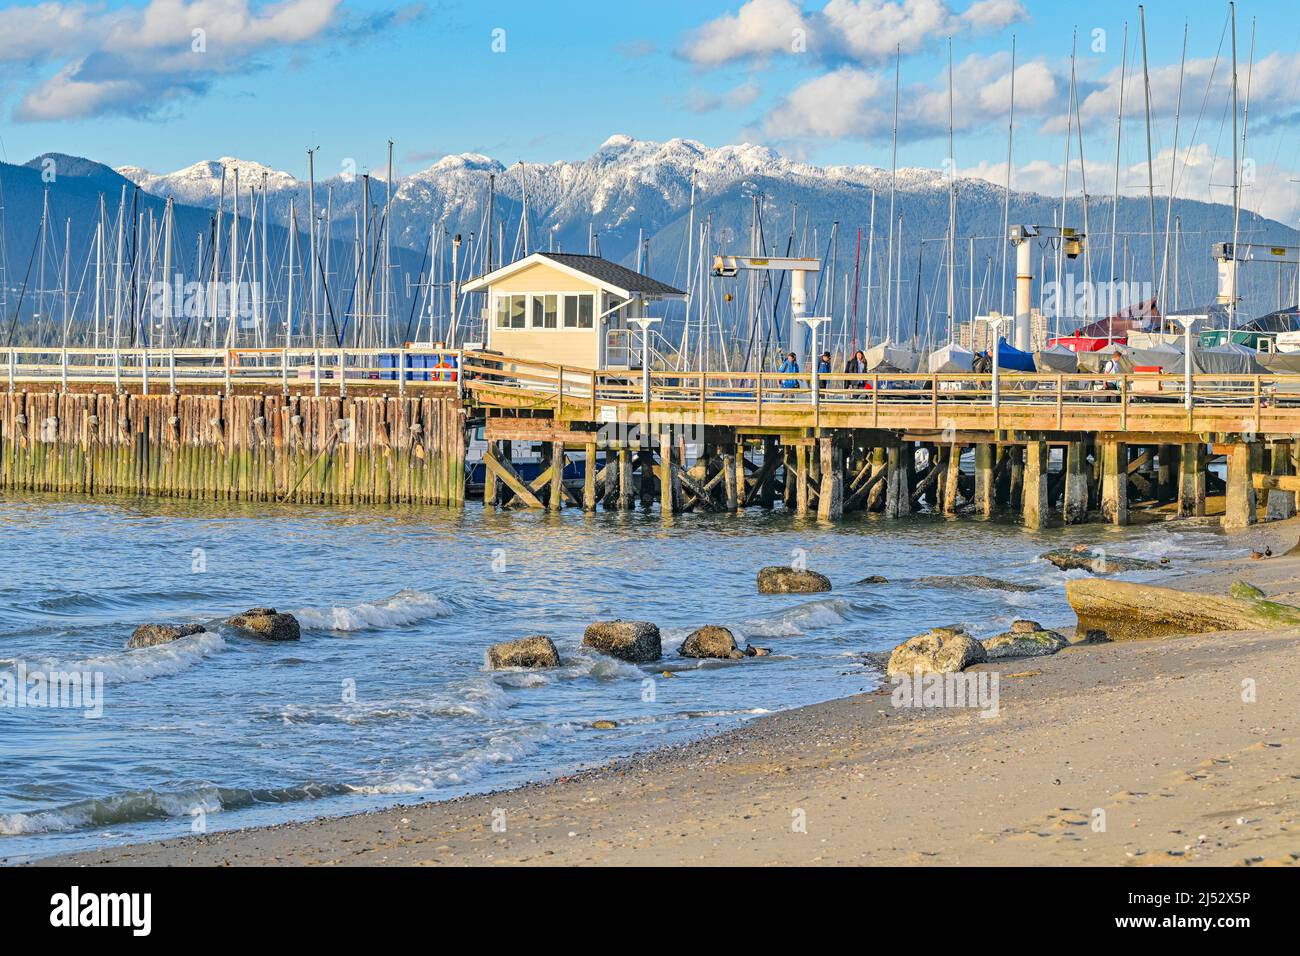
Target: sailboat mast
[1003, 244]
[1151, 170]
[1114, 206]
[1173, 172]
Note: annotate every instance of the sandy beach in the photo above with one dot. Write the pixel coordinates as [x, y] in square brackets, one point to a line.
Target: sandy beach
[1119, 754]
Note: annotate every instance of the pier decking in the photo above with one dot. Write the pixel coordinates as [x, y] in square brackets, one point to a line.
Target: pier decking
[334, 425]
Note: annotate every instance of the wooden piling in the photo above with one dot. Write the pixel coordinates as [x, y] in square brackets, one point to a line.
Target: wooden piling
[1240, 504]
[1114, 482]
[830, 500]
[1074, 509]
[1036, 508]
[1191, 481]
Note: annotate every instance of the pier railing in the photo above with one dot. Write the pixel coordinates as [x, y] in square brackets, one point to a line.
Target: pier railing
[959, 401]
[162, 369]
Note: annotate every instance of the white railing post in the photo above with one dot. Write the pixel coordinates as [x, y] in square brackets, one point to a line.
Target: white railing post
[316, 371]
[225, 369]
[171, 370]
[284, 369]
[401, 373]
[144, 368]
[13, 359]
[343, 364]
[117, 369]
[63, 370]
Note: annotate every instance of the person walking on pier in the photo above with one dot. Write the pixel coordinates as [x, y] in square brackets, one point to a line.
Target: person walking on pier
[790, 367]
[857, 365]
[823, 368]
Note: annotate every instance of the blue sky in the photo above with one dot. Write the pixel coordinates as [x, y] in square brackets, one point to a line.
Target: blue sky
[119, 82]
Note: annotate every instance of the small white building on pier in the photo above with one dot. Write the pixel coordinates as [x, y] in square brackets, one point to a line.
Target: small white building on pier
[568, 309]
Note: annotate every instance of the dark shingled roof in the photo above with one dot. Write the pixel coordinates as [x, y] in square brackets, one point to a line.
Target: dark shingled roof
[613, 273]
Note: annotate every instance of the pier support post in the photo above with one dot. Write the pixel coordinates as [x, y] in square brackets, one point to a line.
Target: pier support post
[767, 489]
[1075, 507]
[1167, 474]
[1281, 504]
[589, 478]
[1035, 510]
[646, 458]
[898, 497]
[490, 493]
[668, 496]
[951, 480]
[733, 471]
[624, 479]
[1015, 495]
[1239, 510]
[830, 502]
[800, 478]
[1114, 482]
[985, 460]
[557, 476]
[1191, 482]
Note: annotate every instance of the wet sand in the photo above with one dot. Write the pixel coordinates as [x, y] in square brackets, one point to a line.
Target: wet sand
[1140, 753]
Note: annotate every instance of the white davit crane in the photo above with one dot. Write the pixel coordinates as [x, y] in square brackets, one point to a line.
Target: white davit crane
[1019, 237]
[1228, 254]
[728, 266]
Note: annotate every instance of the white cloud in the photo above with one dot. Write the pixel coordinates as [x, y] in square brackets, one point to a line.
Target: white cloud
[862, 31]
[134, 59]
[852, 102]
[758, 29]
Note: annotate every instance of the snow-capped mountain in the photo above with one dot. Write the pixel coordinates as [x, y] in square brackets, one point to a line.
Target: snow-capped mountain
[631, 187]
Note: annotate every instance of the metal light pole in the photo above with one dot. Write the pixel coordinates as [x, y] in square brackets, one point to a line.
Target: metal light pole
[1187, 321]
[815, 322]
[995, 323]
[643, 323]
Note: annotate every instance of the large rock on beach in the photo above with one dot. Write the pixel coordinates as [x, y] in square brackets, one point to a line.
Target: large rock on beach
[267, 623]
[153, 635]
[977, 582]
[532, 652]
[1097, 562]
[711, 641]
[1025, 639]
[635, 641]
[1137, 612]
[778, 580]
[943, 650]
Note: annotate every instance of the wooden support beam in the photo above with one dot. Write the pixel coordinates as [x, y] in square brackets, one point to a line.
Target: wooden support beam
[951, 480]
[490, 490]
[1281, 502]
[556, 500]
[624, 482]
[506, 473]
[801, 483]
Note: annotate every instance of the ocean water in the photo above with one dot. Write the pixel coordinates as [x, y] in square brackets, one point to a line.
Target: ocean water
[386, 698]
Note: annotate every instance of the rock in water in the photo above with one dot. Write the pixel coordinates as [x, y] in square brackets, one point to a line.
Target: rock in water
[151, 635]
[267, 624]
[752, 651]
[874, 579]
[791, 581]
[942, 651]
[1025, 639]
[1136, 612]
[533, 652]
[1098, 562]
[635, 641]
[710, 641]
[975, 581]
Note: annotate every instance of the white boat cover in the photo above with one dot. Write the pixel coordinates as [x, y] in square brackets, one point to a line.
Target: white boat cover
[1056, 359]
[891, 358]
[951, 359]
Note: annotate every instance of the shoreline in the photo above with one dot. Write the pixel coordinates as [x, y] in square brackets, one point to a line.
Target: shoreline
[1151, 738]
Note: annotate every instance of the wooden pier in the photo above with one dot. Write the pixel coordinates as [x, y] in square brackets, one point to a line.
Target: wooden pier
[346, 426]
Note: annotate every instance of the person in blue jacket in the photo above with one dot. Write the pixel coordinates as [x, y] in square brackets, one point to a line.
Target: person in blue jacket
[791, 367]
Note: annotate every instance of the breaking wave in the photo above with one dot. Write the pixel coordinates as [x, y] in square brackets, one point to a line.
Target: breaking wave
[125, 667]
[406, 607]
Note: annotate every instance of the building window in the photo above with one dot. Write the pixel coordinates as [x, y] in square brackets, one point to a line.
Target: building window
[503, 312]
[518, 310]
[545, 311]
[578, 311]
